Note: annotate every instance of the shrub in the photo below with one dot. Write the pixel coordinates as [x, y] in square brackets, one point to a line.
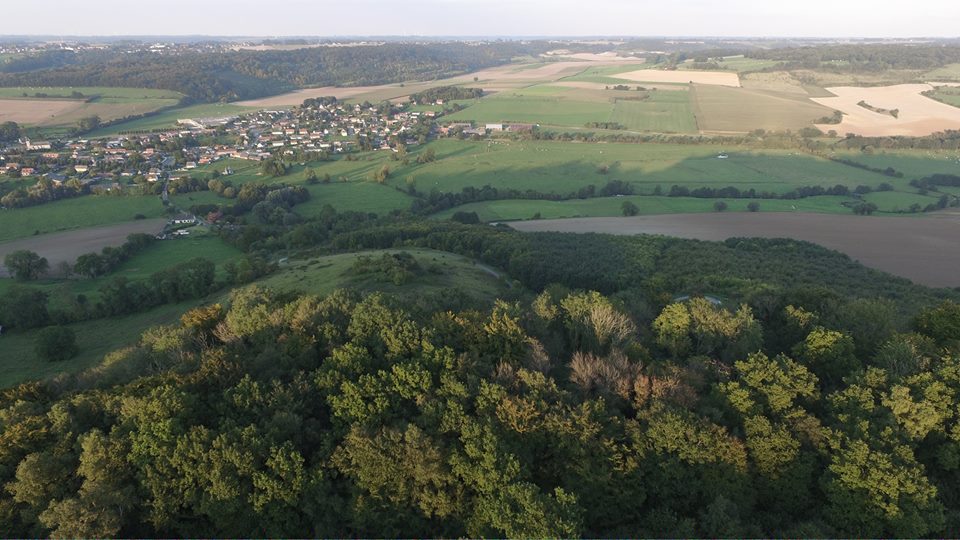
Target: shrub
[56, 344]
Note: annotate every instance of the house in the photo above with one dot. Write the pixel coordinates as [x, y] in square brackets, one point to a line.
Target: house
[81, 168]
[495, 127]
[37, 145]
[27, 171]
[184, 219]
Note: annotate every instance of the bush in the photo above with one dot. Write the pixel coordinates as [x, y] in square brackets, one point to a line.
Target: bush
[753, 206]
[630, 209]
[720, 206]
[468, 218]
[56, 344]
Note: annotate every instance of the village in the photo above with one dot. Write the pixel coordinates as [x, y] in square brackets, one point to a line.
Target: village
[148, 162]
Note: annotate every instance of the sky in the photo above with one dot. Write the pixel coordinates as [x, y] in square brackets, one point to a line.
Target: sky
[274, 18]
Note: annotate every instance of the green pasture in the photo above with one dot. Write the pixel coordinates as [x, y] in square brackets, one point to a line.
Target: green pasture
[512, 210]
[77, 213]
[168, 119]
[322, 275]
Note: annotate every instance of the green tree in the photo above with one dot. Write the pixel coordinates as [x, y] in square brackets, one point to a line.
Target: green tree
[56, 344]
[829, 354]
[629, 209]
[26, 265]
[23, 307]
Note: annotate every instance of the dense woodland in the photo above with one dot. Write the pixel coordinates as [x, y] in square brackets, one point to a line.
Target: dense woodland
[862, 57]
[604, 397]
[229, 76]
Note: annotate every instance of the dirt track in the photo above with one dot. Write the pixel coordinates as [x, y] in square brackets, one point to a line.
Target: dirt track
[67, 246]
[925, 250]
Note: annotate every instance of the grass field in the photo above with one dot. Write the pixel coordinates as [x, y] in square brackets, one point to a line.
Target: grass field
[947, 94]
[602, 74]
[534, 109]
[159, 256]
[169, 118]
[664, 112]
[563, 167]
[323, 275]
[725, 109]
[89, 91]
[361, 196]
[19, 363]
[949, 72]
[359, 193]
[553, 105]
[78, 213]
[913, 164]
[511, 210]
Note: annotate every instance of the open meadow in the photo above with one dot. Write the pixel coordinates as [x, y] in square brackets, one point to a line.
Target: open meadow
[724, 109]
[77, 213]
[441, 270]
[563, 167]
[168, 118]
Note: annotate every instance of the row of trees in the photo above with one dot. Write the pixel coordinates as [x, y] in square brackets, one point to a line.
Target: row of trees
[229, 76]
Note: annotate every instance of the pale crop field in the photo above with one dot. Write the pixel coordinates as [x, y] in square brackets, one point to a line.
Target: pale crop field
[724, 109]
[918, 115]
[682, 77]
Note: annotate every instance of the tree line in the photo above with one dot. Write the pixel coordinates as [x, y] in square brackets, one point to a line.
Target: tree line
[229, 76]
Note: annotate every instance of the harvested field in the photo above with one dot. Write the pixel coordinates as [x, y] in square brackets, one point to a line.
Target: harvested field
[495, 79]
[107, 103]
[299, 96]
[592, 57]
[600, 86]
[30, 112]
[776, 81]
[724, 109]
[918, 115]
[920, 249]
[67, 246]
[682, 77]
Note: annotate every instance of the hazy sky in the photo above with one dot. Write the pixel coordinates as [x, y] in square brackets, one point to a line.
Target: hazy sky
[808, 18]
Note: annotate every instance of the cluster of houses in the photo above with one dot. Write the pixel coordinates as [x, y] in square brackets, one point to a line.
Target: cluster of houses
[322, 126]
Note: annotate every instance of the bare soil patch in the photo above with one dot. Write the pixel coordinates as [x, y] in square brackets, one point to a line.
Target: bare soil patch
[39, 111]
[920, 249]
[918, 115]
[67, 246]
[720, 78]
[299, 96]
